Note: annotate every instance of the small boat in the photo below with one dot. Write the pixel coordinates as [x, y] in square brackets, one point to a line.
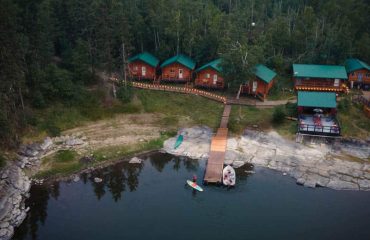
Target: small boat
[194, 185]
[228, 176]
[179, 140]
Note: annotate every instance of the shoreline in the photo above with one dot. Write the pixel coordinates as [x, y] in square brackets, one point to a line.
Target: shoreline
[323, 165]
[339, 166]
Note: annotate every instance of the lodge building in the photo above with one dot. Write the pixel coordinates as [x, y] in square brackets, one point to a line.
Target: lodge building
[327, 78]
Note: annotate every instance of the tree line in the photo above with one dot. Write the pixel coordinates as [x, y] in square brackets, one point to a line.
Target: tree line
[51, 49]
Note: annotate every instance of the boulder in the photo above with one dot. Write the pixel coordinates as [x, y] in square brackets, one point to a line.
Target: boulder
[74, 142]
[46, 144]
[98, 180]
[135, 160]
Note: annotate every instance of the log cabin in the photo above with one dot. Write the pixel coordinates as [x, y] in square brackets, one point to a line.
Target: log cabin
[309, 77]
[210, 75]
[261, 84]
[317, 113]
[143, 66]
[179, 68]
[358, 73]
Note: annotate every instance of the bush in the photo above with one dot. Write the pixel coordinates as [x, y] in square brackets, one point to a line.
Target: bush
[344, 105]
[279, 115]
[125, 93]
[52, 129]
[291, 109]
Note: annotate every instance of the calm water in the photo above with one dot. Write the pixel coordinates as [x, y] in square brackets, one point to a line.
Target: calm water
[152, 202]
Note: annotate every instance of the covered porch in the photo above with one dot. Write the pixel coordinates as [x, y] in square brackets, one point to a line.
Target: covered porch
[317, 113]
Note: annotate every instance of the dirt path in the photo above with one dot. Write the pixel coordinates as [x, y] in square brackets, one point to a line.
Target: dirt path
[120, 130]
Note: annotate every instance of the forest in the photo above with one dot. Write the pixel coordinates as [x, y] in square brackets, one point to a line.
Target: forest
[52, 50]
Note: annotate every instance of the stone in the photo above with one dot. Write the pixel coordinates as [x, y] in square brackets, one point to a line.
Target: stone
[4, 224]
[98, 180]
[46, 144]
[342, 185]
[74, 142]
[364, 184]
[76, 178]
[238, 164]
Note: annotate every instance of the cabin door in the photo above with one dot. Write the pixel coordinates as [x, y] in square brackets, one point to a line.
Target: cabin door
[359, 77]
[215, 79]
[254, 86]
[336, 82]
[181, 73]
[143, 71]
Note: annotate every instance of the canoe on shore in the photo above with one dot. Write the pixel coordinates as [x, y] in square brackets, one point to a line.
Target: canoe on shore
[228, 176]
[179, 140]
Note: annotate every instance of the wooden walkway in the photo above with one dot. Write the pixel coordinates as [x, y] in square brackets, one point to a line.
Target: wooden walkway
[215, 163]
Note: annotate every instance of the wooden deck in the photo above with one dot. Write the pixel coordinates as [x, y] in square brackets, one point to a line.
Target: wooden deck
[215, 163]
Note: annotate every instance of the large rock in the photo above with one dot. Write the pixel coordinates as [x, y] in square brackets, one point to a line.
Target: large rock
[48, 143]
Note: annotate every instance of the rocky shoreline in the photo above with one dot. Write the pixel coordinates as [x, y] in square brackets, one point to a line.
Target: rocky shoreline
[15, 184]
[342, 165]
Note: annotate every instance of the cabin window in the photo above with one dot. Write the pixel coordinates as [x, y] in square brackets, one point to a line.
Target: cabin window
[135, 68]
[353, 74]
[208, 75]
[215, 79]
[143, 70]
[336, 82]
[367, 74]
[172, 70]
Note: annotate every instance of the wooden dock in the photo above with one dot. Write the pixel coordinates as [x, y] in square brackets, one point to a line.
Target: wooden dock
[215, 163]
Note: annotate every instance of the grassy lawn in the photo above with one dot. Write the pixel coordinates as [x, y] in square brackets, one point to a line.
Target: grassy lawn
[352, 119]
[67, 162]
[176, 106]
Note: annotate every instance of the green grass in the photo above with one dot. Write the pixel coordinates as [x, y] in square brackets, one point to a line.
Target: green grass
[175, 106]
[66, 162]
[352, 120]
[63, 156]
[242, 117]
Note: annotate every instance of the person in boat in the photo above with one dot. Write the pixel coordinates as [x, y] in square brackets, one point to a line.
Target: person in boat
[195, 178]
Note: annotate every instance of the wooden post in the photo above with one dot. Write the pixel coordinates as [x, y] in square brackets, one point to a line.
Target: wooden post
[124, 63]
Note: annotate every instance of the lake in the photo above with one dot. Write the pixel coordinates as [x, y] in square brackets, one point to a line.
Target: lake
[151, 201]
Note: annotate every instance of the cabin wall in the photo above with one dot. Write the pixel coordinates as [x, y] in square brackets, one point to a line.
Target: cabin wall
[135, 70]
[263, 88]
[318, 83]
[171, 73]
[355, 76]
[205, 78]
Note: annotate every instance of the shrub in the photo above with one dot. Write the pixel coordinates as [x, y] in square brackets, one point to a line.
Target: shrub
[279, 115]
[125, 93]
[291, 109]
[344, 105]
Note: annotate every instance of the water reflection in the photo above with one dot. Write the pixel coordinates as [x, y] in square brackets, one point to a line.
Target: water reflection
[115, 180]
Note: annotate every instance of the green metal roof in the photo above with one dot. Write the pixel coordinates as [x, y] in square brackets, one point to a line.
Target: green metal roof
[180, 58]
[354, 64]
[145, 57]
[319, 71]
[215, 64]
[317, 99]
[264, 73]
